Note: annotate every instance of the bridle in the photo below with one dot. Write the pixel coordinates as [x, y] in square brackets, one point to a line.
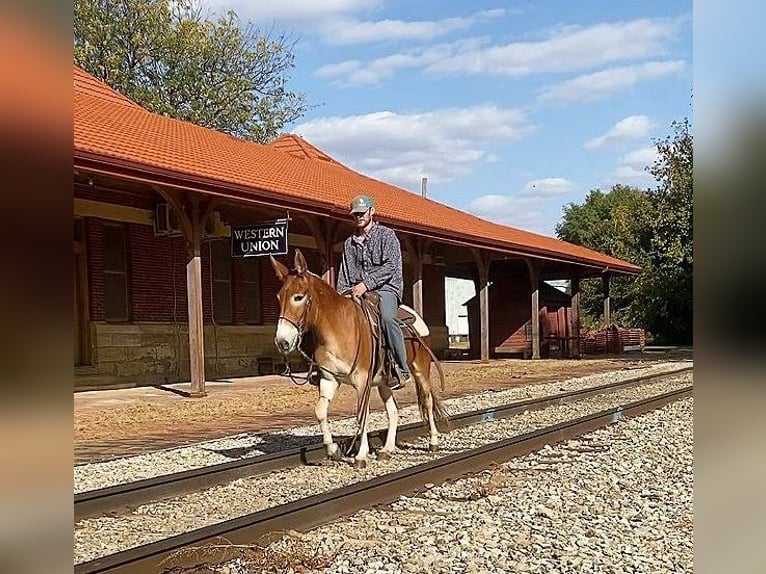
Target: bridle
[300, 326]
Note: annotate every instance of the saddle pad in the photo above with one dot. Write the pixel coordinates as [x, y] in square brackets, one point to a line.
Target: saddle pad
[410, 316]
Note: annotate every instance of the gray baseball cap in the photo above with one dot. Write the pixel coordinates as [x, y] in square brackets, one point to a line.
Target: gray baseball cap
[361, 203]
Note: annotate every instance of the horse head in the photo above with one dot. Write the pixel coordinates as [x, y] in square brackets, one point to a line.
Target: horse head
[294, 302]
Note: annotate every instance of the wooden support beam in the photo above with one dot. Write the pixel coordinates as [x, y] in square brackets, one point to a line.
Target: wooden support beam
[192, 215]
[605, 278]
[575, 350]
[325, 233]
[534, 282]
[483, 262]
[416, 249]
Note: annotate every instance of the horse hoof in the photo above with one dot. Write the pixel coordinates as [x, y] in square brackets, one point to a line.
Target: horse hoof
[433, 448]
[360, 463]
[383, 455]
[337, 456]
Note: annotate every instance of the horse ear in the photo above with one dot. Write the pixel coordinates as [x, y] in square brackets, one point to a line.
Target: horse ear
[280, 269]
[300, 262]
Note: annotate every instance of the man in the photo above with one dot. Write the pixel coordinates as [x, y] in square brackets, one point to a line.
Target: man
[372, 261]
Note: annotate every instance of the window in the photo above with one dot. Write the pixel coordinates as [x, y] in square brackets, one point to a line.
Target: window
[221, 263]
[115, 273]
[251, 290]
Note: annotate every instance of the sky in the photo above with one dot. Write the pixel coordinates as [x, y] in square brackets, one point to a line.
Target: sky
[512, 110]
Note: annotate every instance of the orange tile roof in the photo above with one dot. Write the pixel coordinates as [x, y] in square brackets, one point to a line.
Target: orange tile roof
[86, 83]
[297, 146]
[114, 132]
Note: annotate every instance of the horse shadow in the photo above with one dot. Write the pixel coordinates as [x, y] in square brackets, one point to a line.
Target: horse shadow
[268, 443]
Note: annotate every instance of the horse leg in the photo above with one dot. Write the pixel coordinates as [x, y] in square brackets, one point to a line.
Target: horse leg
[327, 390]
[360, 460]
[421, 368]
[393, 422]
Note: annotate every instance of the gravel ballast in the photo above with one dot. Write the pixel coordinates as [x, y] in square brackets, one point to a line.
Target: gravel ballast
[617, 500]
[100, 536]
[129, 469]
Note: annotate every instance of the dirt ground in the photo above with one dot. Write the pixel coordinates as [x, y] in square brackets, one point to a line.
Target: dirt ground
[130, 421]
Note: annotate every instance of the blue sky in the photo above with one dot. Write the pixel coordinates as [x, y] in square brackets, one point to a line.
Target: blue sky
[510, 109]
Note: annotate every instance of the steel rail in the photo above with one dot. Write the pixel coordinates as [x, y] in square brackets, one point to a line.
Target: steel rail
[319, 509]
[120, 497]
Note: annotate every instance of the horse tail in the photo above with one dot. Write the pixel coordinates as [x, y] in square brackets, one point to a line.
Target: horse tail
[427, 390]
[441, 417]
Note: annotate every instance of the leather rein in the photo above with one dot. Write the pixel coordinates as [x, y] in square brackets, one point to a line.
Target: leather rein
[301, 328]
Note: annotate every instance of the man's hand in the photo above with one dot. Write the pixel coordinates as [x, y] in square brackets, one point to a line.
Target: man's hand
[359, 289]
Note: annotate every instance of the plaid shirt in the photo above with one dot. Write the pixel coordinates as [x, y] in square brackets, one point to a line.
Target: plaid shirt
[375, 259]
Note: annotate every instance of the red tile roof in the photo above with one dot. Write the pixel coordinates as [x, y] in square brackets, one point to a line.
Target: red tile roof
[114, 133]
[297, 146]
[86, 83]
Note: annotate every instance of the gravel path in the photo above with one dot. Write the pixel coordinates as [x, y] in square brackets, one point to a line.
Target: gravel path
[100, 536]
[168, 461]
[618, 500]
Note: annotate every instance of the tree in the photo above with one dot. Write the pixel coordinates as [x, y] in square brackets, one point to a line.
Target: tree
[667, 294]
[652, 229]
[169, 58]
[618, 224]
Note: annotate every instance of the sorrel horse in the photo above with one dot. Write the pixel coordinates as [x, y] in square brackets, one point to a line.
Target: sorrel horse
[344, 354]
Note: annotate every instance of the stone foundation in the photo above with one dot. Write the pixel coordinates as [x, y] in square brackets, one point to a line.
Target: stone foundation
[158, 353]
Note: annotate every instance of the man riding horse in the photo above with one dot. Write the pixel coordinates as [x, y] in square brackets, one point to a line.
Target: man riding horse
[372, 261]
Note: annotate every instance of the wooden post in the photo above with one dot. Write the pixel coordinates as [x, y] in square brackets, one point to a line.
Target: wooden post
[193, 222]
[607, 299]
[194, 290]
[483, 262]
[416, 249]
[417, 285]
[534, 282]
[324, 232]
[575, 317]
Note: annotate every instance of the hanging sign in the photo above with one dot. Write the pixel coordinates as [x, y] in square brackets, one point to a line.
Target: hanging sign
[267, 238]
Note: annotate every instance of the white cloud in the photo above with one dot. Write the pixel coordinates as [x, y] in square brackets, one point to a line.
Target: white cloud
[592, 87]
[294, 12]
[523, 210]
[337, 21]
[349, 31]
[632, 127]
[519, 212]
[356, 73]
[548, 187]
[632, 166]
[402, 148]
[567, 49]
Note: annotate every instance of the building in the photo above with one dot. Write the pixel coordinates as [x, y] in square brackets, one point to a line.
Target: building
[158, 297]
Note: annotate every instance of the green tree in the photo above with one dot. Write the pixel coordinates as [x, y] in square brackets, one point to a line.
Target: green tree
[652, 229]
[666, 295]
[616, 223]
[173, 60]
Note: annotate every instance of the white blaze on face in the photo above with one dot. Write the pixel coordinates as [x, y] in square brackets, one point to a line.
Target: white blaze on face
[288, 332]
[287, 336]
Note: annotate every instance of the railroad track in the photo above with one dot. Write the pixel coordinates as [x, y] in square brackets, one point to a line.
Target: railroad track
[318, 509]
[122, 497]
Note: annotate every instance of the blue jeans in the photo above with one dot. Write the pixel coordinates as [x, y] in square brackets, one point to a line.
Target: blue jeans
[389, 303]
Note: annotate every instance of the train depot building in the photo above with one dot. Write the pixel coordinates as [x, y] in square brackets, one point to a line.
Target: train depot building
[159, 296]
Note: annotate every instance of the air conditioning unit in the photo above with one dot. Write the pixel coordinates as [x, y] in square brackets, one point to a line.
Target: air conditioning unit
[165, 221]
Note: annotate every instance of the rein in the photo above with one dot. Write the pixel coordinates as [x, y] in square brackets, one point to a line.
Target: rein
[300, 327]
[364, 402]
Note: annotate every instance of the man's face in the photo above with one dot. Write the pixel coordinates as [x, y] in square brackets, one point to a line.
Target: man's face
[362, 219]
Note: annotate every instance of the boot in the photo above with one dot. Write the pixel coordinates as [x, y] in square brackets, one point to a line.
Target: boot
[398, 381]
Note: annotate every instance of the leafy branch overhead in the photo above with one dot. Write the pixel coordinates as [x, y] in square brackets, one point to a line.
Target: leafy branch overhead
[174, 60]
